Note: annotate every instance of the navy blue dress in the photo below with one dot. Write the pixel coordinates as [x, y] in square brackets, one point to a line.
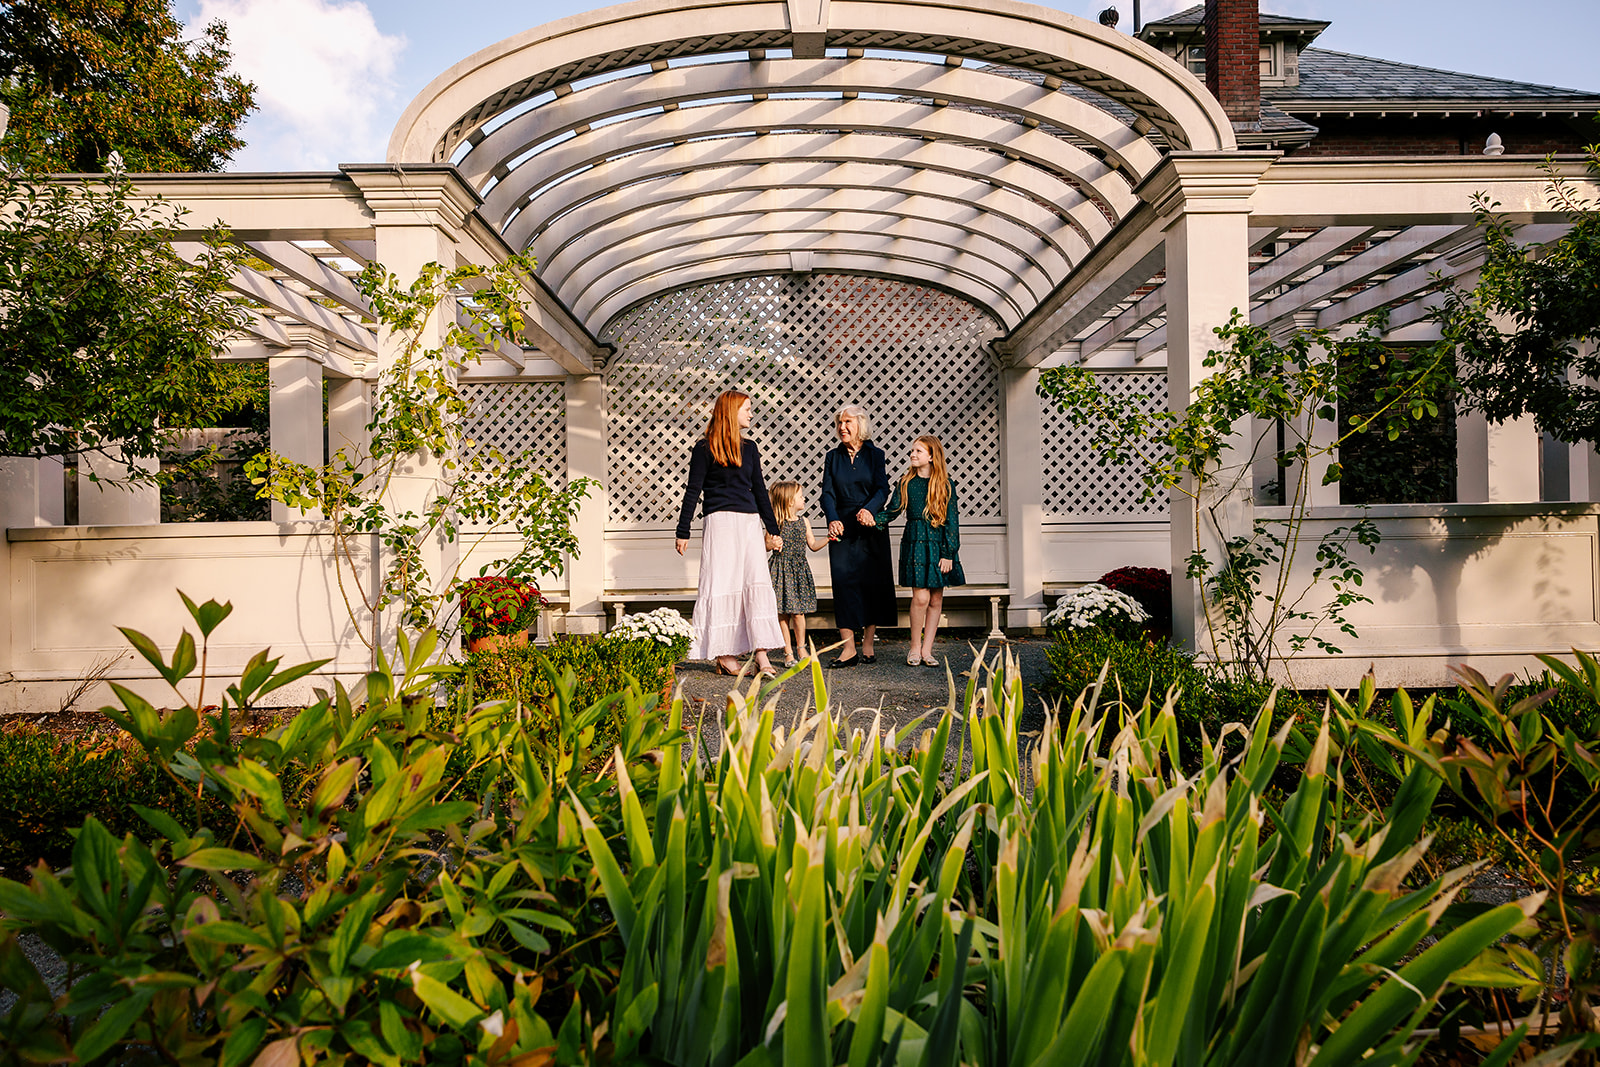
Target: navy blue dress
[863, 570]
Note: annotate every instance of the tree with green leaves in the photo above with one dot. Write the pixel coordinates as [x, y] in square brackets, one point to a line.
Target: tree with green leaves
[1528, 333]
[106, 334]
[84, 78]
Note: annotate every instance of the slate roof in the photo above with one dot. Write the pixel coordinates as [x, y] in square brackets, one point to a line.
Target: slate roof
[1329, 75]
[1194, 15]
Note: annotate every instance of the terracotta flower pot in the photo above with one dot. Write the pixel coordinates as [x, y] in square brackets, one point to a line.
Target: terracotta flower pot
[495, 642]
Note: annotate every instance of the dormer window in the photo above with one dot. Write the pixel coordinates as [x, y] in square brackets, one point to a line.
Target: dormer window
[1196, 60]
[1269, 61]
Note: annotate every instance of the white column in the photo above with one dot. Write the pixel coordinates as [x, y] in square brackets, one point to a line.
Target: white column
[295, 412]
[1583, 460]
[1496, 462]
[349, 411]
[32, 492]
[108, 499]
[586, 458]
[1204, 202]
[1022, 482]
[1583, 473]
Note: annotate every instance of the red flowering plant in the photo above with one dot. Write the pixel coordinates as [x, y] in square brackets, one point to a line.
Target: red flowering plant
[1151, 587]
[496, 605]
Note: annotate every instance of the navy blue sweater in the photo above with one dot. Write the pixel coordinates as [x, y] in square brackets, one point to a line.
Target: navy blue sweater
[738, 488]
[848, 487]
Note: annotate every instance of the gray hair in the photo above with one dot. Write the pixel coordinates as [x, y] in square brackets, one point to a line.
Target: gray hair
[859, 413]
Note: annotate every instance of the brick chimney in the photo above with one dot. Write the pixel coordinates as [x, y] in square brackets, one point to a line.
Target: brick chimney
[1233, 58]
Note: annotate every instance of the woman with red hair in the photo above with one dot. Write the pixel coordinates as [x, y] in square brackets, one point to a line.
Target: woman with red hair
[735, 611]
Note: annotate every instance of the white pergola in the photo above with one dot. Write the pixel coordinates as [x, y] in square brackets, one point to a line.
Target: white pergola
[1078, 186]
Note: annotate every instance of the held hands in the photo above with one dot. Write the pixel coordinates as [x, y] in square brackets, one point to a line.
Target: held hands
[835, 530]
[774, 543]
[680, 544]
[866, 518]
[944, 566]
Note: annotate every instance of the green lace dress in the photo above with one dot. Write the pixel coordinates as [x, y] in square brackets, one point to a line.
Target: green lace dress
[923, 545]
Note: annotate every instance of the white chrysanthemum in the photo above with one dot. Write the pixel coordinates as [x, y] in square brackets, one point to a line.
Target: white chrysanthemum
[1095, 605]
[663, 625]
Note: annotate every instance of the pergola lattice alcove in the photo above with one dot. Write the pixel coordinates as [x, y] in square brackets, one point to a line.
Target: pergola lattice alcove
[801, 345]
[912, 204]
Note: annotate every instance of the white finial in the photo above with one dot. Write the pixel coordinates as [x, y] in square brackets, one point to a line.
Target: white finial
[1494, 146]
[114, 162]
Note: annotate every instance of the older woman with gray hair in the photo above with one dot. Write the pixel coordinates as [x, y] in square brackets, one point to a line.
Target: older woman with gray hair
[855, 485]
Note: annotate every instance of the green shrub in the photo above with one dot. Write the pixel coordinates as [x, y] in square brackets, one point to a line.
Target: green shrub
[600, 666]
[1205, 700]
[49, 786]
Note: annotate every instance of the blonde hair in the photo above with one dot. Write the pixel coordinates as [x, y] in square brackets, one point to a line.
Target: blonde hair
[723, 432]
[785, 501]
[859, 413]
[938, 505]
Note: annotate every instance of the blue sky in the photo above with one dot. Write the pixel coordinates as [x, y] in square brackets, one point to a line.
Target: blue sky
[333, 76]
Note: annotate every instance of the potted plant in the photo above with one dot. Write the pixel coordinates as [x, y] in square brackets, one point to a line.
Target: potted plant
[496, 611]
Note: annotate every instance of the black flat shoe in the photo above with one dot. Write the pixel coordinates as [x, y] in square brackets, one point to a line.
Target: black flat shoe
[869, 659]
[851, 662]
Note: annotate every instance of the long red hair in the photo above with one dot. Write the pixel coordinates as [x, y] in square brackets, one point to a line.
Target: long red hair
[938, 502]
[722, 432]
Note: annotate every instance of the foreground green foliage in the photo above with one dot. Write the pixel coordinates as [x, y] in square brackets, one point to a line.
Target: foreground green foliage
[1527, 776]
[383, 910]
[1203, 701]
[799, 892]
[854, 908]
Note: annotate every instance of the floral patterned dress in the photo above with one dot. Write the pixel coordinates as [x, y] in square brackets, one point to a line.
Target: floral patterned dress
[791, 574]
[923, 545]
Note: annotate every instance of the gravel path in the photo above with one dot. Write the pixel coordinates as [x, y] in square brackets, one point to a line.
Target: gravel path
[890, 687]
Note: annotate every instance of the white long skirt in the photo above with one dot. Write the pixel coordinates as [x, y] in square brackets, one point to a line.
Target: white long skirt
[736, 611]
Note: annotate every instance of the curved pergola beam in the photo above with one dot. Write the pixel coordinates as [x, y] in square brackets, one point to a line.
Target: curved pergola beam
[1021, 101]
[455, 105]
[766, 263]
[853, 211]
[894, 257]
[900, 158]
[893, 118]
[794, 186]
[1023, 283]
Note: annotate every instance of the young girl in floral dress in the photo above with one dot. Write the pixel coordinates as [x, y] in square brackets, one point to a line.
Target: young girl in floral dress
[791, 574]
[930, 547]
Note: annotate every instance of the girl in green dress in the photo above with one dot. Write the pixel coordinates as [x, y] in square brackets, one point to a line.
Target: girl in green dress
[930, 547]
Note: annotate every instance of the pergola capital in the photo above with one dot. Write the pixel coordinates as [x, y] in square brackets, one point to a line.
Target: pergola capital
[428, 194]
[1205, 182]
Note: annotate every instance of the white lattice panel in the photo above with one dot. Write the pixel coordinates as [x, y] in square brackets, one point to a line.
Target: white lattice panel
[1075, 485]
[520, 419]
[801, 345]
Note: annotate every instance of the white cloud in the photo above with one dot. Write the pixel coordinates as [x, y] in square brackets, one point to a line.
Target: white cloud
[324, 73]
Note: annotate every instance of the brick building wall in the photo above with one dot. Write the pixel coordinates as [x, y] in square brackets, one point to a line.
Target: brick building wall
[1436, 136]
